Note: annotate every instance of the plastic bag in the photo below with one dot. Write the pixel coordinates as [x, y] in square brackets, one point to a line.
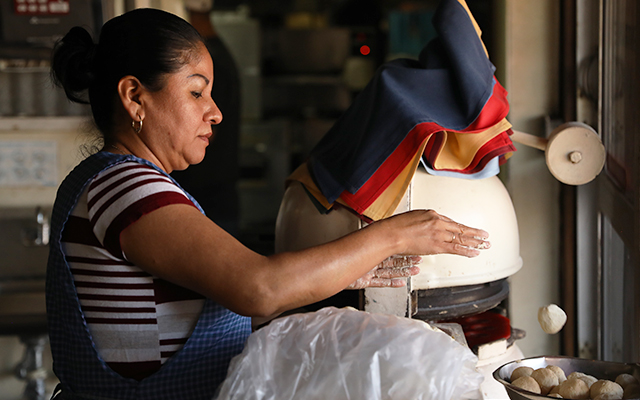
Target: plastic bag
[349, 354]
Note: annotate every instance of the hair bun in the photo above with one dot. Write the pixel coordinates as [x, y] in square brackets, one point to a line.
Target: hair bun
[72, 63]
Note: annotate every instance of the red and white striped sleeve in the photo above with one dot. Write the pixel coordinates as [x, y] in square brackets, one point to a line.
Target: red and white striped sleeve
[120, 195]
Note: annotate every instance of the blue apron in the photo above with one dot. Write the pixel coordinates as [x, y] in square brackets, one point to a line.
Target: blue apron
[192, 373]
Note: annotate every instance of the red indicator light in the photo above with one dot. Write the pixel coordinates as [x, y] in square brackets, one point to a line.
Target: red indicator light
[364, 50]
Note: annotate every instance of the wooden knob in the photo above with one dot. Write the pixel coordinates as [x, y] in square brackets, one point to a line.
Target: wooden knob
[575, 157]
[574, 153]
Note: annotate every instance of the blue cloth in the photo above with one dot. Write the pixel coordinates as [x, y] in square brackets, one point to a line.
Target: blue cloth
[191, 374]
[448, 85]
[491, 169]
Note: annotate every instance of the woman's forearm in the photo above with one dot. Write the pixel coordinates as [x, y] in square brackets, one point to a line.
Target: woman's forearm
[179, 244]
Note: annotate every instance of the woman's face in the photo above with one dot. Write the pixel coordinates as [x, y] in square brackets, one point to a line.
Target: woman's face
[178, 118]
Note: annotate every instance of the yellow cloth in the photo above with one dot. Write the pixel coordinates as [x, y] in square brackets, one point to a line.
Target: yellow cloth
[385, 205]
[302, 175]
[459, 149]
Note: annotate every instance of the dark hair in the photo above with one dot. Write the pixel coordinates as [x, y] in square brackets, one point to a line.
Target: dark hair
[145, 43]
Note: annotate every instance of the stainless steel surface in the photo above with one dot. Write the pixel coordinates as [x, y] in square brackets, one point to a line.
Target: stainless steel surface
[446, 303]
[24, 235]
[23, 312]
[595, 368]
[31, 368]
[23, 239]
[27, 91]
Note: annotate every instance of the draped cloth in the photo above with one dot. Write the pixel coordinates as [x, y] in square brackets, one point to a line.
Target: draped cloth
[445, 109]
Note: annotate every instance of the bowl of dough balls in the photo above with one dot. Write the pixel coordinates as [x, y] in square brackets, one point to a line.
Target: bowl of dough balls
[569, 378]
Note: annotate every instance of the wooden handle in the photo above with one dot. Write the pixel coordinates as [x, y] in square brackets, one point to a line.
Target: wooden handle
[530, 140]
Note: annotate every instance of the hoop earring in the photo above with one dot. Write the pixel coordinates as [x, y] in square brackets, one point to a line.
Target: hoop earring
[133, 125]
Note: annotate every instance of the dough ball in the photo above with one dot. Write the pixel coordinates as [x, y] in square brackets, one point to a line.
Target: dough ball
[574, 388]
[554, 395]
[521, 371]
[625, 380]
[632, 391]
[546, 378]
[559, 372]
[551, 318]
[604, 386]
[527, 383]
[575, 375]
[554, 390]
[588, 379]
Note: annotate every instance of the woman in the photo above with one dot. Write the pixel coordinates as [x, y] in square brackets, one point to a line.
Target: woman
[146, 297]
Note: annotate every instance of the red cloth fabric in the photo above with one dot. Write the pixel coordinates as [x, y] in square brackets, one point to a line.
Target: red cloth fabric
[495, 110]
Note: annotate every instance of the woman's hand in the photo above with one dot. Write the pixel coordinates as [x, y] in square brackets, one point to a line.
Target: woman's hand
[426, 232]
[392, 272]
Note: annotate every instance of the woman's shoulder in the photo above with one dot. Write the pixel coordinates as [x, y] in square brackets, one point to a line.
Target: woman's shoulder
[119, 195]
[128, 165]
[133, 174]
[98, 163]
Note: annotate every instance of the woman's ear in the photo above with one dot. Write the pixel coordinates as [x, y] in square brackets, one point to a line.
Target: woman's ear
[130, 91]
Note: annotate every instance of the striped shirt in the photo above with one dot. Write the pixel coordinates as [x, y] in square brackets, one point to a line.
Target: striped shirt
[137, 321]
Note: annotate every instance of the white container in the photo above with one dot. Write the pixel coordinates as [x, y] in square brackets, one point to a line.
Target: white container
[483, 204]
